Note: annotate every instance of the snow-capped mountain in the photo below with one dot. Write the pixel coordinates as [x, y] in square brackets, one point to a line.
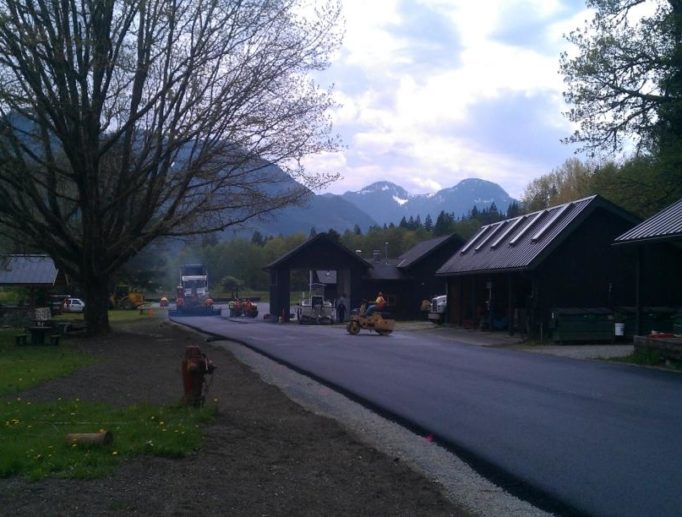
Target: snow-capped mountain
[383, 201]
[388, 203]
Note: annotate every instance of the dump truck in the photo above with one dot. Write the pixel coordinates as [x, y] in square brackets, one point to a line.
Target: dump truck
[192, 296]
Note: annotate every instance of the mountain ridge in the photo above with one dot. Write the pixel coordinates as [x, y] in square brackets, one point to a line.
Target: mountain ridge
[379, 203]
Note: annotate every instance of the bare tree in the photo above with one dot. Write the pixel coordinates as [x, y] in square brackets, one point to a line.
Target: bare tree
[122, 121]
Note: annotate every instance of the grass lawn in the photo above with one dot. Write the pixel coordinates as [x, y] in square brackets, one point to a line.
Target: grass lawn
[26, 366]
[33, 444]
[32, 435]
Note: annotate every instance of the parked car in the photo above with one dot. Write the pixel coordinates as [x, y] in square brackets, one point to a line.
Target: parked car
[56, 302]
[73, 305]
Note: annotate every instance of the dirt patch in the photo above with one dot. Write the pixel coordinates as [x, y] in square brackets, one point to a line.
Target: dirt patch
[263, 455]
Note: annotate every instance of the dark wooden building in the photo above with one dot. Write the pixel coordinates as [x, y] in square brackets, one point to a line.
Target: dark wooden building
[513, 273]
[656, 244]
[405, 280]
[317, 253]
[411, 277]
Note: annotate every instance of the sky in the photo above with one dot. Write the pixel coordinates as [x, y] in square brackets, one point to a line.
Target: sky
[432, 92]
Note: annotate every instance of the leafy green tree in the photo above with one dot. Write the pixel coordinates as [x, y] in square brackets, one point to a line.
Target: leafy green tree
[513, 210]
[257, 238]
[636, 185]
[624, 82]
[445, 224]
[231, 285]
[428, 223]
[571, 181]
[334, 235]
[123, 121]
[625, 88]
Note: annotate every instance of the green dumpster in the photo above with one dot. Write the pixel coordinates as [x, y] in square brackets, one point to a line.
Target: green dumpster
[582, 324]
[660, 319]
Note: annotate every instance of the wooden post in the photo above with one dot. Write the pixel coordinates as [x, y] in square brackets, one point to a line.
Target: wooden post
[99, 438]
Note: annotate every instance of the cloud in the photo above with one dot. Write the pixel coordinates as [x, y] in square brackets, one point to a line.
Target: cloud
[435, 91]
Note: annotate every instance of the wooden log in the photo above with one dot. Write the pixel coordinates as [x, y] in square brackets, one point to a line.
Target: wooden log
[100, 438]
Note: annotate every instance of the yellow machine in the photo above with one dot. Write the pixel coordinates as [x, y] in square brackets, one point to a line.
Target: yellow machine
[376, 322]
[125, 298]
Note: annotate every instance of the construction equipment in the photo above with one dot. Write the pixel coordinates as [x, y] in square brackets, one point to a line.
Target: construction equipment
[192, 298]
[378, 322]
[126, 298]
[437, 311]
[314, 308]
[245, 308]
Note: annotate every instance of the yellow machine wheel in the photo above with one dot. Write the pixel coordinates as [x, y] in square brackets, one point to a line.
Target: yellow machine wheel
[353, 327]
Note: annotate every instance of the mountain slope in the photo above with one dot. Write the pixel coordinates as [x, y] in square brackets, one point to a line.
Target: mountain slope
[383, 200]
[389, 203]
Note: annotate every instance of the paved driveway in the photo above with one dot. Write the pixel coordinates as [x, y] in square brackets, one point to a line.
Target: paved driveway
[573, 435]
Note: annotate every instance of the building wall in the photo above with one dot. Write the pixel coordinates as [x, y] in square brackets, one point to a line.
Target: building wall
[585, 270]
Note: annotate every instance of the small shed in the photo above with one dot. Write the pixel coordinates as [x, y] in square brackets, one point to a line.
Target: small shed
[28, 271]
[657, 246]
[36, 272]
[513, 273]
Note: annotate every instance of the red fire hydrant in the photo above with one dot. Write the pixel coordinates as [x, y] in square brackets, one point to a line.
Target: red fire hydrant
[195, 367]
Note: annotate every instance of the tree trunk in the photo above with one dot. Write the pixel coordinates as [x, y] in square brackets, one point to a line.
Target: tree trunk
[97, 304]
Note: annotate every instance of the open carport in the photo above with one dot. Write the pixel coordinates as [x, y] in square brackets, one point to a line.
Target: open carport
[318, 253]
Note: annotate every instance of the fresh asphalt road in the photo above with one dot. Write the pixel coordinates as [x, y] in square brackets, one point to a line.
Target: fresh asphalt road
[583, 436]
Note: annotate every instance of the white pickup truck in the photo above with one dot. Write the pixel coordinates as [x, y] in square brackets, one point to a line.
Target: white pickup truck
[439, 305]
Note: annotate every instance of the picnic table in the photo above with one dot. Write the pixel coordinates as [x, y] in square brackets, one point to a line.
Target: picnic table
[38, 333]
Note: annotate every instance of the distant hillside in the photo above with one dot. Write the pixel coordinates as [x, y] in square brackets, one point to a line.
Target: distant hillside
[321, 212]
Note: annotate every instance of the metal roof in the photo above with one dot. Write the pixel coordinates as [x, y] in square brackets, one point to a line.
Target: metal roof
[383, 271]
[27, 270]
[663, 226]
[309, 242]
[421, 250]
[522, 242]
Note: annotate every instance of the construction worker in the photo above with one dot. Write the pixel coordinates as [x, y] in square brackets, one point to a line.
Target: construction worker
[378, 305]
